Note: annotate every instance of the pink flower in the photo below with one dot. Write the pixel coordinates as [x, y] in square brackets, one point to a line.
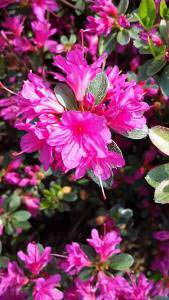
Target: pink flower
[105, 246]
[32, 204]
[36, 140]
[104, 5]
[77, 135]
[14, 278]
[35, 260]
[42, 33]
[41, 6]
[37, 98]
[78, 72]
[12, 294]
[9, 108]
[101, 25]
[76, 259]
[126, 108]
[45, 289]
[5, 3]
[162, 235]
[14, 24]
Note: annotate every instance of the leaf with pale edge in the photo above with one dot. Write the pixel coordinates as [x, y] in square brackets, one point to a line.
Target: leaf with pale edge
[160, 138]
[162, 192]
[98, 87]
[121, 262]
[65, 96]
[156, 175]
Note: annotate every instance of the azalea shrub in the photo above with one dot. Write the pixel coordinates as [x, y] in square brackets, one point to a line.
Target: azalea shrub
[84, 167]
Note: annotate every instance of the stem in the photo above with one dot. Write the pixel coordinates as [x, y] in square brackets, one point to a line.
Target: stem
[6, 89]
[68, 4]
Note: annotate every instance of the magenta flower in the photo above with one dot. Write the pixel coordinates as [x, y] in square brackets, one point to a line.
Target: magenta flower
[37, 98]
[76, 259]
[78, 72]
[105, 246]
[41, 6]
[35, 260]
[77, 135]
[36, 140]
[42, 33]
[12, 294]
[14, 278]
[45, 289]
[126, 108]
[101, 25]
[104, 5]
[32, 204]
[9, 108]
[14, 25]
[5, 3]
[162, 235]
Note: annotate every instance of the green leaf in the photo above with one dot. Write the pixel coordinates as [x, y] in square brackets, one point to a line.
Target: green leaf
[24, 225]
[15, 202]
[155, 66]
[142, 75]
[98, 87]
[21, 215]
[71, 197]
[163, 9]
[161, 194]
[123, 6]
[163, 81]
[137, 134]
[164, 30]
[121, 262]
[157, 175]
[123, 37]
[86, 273]
[65, 96]
[147, 13]
[159, 136]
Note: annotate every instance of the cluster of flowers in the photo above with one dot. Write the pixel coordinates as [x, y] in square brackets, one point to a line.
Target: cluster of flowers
[12, 34]
[70, 128]
[16, 283]
[28, 176]
[107, 18]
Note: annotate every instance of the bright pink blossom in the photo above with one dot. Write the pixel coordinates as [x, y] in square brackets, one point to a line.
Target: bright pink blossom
[35, 260]
[78, 134]
[76, 259]
[78, 72]
[45, 289]
[41, 6]
[14, 25]
[42, 31]
[32, 204]
[14, 278]
[105, 245]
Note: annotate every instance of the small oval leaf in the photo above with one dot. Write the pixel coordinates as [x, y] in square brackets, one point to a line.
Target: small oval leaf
[160, 138]
[98, 87]
[137, 134]
[65, 96]
[162, 192]
[157, 175]
[121, 262]
[123, 37]
[123, 6]
[155, 66]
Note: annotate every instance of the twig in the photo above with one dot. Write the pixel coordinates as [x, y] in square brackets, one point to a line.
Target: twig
[68, 4]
